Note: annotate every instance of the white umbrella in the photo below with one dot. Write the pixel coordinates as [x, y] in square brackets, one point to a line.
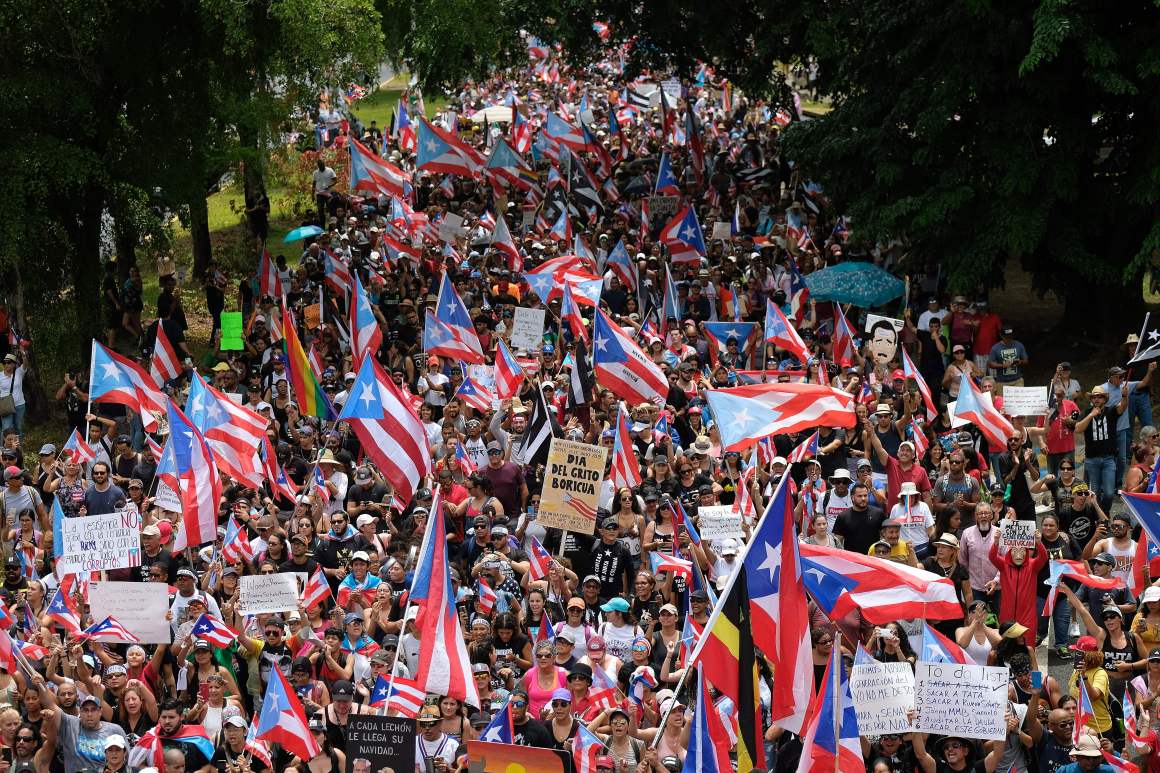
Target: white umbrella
[494, 114]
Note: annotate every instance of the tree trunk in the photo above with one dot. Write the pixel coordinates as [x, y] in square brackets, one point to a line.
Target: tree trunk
[85, 236]
[199, 232]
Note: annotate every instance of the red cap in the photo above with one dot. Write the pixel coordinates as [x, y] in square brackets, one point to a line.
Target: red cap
[898, 374]
[166, 529]
[1085, 644]
[604, 761]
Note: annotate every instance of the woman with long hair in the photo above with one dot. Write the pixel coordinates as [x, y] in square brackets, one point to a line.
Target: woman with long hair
[626, 508]
[69, 488]
[453, 714]
[1124, 651]
[512, 648]
[1088, 667]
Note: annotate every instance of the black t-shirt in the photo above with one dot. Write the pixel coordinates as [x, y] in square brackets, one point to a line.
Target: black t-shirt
[1020, 499]
[1100, 436]
[958, 574]
[221, 758]
[532, 732]
[163, 559]
[613, 565]
[859, 529]
[372, 493]
[1079, 524]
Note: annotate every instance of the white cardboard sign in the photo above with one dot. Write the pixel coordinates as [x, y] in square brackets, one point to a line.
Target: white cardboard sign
[718, 522]
[883, 694]
[96, 542]
[268, 593]
[528, 329]
[139, 606]
[955, 699]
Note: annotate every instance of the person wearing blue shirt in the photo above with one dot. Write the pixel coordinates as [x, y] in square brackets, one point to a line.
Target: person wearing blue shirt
[1088, 757]
[1119, 397]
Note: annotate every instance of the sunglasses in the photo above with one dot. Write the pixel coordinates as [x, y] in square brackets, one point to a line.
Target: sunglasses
[1066, 468]
[544, 655]
[561, 704]
[953, 745]
[519, 704]
[428, 724]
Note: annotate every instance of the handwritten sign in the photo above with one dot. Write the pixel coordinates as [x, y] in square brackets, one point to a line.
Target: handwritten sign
[572, 486]
[968, 701]
[166, 498]
[722, 231]
[672, 89]
[97, 542]
[268, 593]
[1017, 534]
[883, 694]
[1024, 401]
[661, 209]
[450, 227]
[375, 743]
[718, 522]
[528, 329]
[139, 606]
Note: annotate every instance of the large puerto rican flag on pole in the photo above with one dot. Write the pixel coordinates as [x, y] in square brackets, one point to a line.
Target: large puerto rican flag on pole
[370, 173]
[197, 478]
[831, 743]
[746, 414]
[973, 407]
[620, 365]
[439, 151]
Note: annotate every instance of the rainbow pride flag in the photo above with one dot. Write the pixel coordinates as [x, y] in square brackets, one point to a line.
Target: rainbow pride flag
[307, 391]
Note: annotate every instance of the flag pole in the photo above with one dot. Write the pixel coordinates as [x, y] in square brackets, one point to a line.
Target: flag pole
[89, 405]
[673, 704]
[837, 708]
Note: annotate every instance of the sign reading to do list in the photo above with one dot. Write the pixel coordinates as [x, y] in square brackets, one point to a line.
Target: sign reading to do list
[97, 542]
[968, 701]
[883, 694]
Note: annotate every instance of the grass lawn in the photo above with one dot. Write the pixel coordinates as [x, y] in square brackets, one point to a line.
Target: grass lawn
[379, 105]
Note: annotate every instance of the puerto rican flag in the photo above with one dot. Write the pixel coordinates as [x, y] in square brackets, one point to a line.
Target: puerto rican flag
[936, 648]
[586, 747]
[843, 338]
[521, 132]
[444, 666]
[474, 395]
[807, 449]
[316, 591]
[405, 130]
[783, 335]
[502, 241]
[486, 596]
[501, 729]
[663, 562]
[972, 407]
[109, 629]
[760, 410]
[371, 173]
[62, 611]
[509, 374]
[404, 697]
[620, 365]
[213, 631]
[235, 545]
[912, 372]
[282, 719]
[117, 379]
[1146, 508]
[1078, 571]
[682, 236]
[269, 278]
[623, 266]
[1119, 764]
[454, 319]
[883, 591]
[364, 326]
[561, 132]
[164, 362]
[280, 483]
[831, 743]
[233, 432]
[197, 477]
[77, 450]
[539, 560]
[717, 335]
[338, 274]
[440, 151]
[570, 313]
[667, 184]
[1084, 713]
[625, 471]
[465, 461]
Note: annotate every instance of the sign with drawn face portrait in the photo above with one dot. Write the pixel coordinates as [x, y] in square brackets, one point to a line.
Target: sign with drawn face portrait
[882, 335]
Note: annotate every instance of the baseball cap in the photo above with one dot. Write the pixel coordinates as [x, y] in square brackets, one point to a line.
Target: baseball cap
[151, 531]
[116, 741]
[596, 643]
[342, 690]
[236, 721]
[615, 604]
[48, 449]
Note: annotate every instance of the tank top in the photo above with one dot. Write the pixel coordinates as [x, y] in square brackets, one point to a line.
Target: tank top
[979, 651]
[1113, 655]
[1124, 559]
[538, 697]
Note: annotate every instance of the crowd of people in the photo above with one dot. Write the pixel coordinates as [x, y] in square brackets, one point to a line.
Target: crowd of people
[899, 484]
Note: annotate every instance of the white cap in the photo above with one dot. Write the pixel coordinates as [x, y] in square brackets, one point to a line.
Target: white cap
[364, 519]
[779, 460]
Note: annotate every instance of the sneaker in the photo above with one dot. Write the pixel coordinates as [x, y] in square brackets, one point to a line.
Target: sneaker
[1063, 650]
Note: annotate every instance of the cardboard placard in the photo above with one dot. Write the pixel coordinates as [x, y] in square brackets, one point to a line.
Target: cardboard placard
[662, 208]
[528, 329]
[883, 694]
[232, 328]
[1025, 401]
[882, 334]
[1017, 534]
[312, 315]
[722, 230]
[139, 606]
[97, 542]
[267, 593]
[166, 498]
[955, 699]
[956, 422]
[527, 219]
[450, 227]
[572, 486]
[718, 522]
[375, 743]
[672, 89]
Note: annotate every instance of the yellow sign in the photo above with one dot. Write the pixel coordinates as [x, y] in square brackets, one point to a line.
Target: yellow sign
[572, 486]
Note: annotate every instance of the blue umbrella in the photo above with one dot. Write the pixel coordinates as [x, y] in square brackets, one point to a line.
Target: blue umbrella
[860, 284]
[305, 232]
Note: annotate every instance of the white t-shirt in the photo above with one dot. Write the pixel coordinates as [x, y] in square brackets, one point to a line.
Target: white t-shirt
[914, 525]
[834, 505]
[323, 179]
[13, 384]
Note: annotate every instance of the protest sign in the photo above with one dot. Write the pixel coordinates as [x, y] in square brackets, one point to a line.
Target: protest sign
[722, 231]
[450, 227]
[528, 329]
[1017, 534]
[883, 694]
[672, 89]
[485, 757]
[97, 542]
[719, 522]
[312, 315]
[882, 336]
[267, 593]
[956, 422]
[572, 486]
[955, 699]
[662, 208]
[527, 219]
[166, 498]
[232, 331]
[1024, 401]
[139, 606]
[375, 743]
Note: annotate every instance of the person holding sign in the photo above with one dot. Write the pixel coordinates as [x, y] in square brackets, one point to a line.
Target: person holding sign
[957, 754]
[1018, 581]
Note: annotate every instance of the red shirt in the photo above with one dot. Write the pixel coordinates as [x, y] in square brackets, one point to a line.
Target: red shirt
[1060, 439]
[896, 476]
[987, 333]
